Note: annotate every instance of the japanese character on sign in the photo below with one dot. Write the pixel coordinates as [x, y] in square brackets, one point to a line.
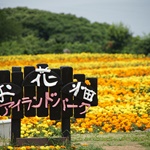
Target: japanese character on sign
[75, 106]
[50, 98]
[43, 71]
[26, 100]
[2, 93]
[7, 106]
[29, 101]
[85, 104]
[88, 94]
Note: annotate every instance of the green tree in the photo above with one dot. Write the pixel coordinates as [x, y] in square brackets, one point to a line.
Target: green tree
[133, 46]
[144, 45]
[118, 36]
[9, 29]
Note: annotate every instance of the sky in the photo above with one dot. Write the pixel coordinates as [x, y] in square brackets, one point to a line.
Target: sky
[134, 14]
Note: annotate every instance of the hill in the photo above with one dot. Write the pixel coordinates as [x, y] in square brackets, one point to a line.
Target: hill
[32, 31]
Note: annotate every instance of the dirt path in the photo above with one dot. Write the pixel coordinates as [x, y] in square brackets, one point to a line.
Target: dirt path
[117, 145]
[125, 147]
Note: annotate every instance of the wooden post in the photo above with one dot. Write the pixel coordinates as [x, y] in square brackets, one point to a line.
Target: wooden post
[66, 76]
[5, 78]
[29, 91]
[55, 112]
[17, 78]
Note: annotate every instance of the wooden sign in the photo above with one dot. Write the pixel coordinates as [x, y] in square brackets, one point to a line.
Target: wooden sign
[30, 92]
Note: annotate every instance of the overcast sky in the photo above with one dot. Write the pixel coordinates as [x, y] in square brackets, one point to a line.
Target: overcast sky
[135, 14]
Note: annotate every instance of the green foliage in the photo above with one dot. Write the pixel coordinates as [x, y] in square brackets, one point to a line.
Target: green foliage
[119, 36]
[32, 31]
[144, 45]
[87, 47]
[9, 29]
[133, 46]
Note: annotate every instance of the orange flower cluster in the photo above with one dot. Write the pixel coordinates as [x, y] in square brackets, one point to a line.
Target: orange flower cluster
[110, 122]
[123, 91]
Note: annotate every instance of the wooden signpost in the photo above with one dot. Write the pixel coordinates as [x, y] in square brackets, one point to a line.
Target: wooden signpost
[29, 92]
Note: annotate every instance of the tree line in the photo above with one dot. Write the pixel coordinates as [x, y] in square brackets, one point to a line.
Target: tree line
[33, 31]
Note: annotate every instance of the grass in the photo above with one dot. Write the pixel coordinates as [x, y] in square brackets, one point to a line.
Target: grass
[95, 140]
[3, 142]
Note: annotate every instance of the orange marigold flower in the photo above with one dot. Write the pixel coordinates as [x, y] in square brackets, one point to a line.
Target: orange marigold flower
[87, 82]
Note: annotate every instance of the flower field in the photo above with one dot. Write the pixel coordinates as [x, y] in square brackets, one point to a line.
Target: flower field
[123, 92]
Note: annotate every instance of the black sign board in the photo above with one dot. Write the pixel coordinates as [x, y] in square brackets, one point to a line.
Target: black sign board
[34, 89]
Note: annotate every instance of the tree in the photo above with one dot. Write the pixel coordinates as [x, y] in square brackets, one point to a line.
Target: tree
[118, 36]
[9, 29]
[144, 45]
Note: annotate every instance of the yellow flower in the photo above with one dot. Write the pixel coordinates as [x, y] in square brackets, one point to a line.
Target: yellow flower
[57, 147]
[33, 147]
[10, 148]
[23, 148]
[114, 131]
[101, 132]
